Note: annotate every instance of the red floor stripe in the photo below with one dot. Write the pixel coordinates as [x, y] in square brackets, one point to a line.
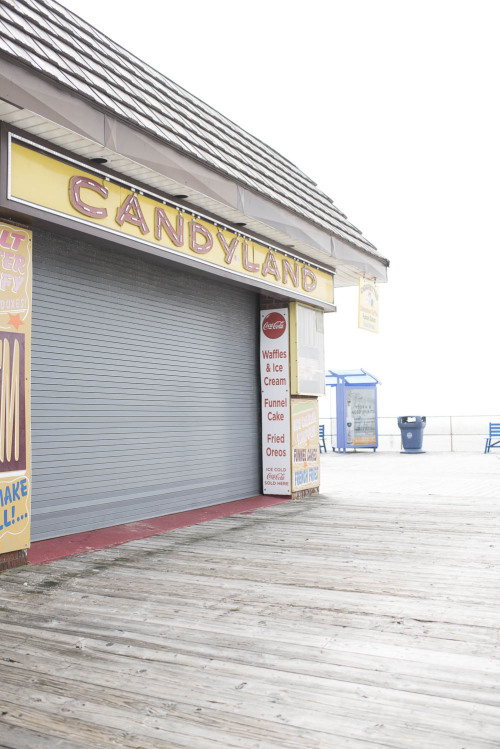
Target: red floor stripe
[42, 552]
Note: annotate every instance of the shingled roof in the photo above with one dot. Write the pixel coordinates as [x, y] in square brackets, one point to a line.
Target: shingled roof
[57, 44]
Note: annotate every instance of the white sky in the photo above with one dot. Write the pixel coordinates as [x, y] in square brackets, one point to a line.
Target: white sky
[392, 107]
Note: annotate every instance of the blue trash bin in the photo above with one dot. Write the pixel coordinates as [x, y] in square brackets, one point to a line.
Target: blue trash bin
[412, 433]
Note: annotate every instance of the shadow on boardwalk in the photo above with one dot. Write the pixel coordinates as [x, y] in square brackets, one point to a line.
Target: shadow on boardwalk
[368, 616]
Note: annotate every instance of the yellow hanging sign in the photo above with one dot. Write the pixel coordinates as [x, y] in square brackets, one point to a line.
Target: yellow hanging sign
[368, 305]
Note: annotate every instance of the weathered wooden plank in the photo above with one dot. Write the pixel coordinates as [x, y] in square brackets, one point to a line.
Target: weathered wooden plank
[467, 687]
[270, 706]
[333, 653]
[14, 736]
[116, 623]
[360, 619]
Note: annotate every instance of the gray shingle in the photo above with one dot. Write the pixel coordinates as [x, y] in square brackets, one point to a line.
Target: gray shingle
[49, 38]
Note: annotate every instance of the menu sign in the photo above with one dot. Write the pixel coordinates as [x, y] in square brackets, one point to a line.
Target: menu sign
[275, 387]
[305, 443]
[361, 417]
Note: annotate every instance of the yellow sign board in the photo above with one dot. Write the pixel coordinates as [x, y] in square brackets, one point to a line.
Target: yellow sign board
[305, 443]
[15, 368]
[368, 305]
[307, 349]
[66, 189]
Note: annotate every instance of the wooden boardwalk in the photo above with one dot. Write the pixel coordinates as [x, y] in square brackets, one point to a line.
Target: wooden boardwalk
[366, 617]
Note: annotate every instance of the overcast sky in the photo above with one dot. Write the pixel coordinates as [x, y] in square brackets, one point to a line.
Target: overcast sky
[392, 108]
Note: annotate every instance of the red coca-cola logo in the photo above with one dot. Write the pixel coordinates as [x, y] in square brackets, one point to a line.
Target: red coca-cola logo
[274, 325]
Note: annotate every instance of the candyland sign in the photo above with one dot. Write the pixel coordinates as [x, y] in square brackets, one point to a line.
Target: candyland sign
[65, 188]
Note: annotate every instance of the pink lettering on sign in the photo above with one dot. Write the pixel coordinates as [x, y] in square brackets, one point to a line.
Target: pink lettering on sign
[309, 281]
[130, 211]
[162, 221]
[270, 266]
[229, 250]
[195, 230]
[289, 272]
[76, 185]
[9, 281]
[247, 264]
[274, 325]
[11, 239]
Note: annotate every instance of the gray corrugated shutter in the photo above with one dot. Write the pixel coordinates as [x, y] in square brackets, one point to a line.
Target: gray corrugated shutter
[145, 396]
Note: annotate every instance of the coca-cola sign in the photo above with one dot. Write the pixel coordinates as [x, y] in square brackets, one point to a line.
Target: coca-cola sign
[274, 325]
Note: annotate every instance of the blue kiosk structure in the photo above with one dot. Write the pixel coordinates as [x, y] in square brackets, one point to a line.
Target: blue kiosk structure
[357, 418]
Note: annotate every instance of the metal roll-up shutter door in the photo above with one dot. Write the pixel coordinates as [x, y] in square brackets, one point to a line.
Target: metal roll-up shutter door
[145, 395]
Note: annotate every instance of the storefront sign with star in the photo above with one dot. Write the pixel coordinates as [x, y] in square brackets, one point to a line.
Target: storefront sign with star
[15, 353]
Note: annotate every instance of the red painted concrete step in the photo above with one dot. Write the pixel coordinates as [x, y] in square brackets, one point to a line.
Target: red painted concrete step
[42, 552]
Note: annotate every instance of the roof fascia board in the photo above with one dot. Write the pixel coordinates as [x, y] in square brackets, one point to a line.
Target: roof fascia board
[302, 230]
[24, 89]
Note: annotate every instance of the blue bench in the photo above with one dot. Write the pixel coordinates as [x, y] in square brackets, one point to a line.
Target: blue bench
[494, 439]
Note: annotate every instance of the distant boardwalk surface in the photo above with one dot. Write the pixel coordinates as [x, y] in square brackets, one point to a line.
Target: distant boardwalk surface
[365, 617]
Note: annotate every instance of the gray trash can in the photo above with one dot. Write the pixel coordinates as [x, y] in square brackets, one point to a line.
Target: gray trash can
[412, 433]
